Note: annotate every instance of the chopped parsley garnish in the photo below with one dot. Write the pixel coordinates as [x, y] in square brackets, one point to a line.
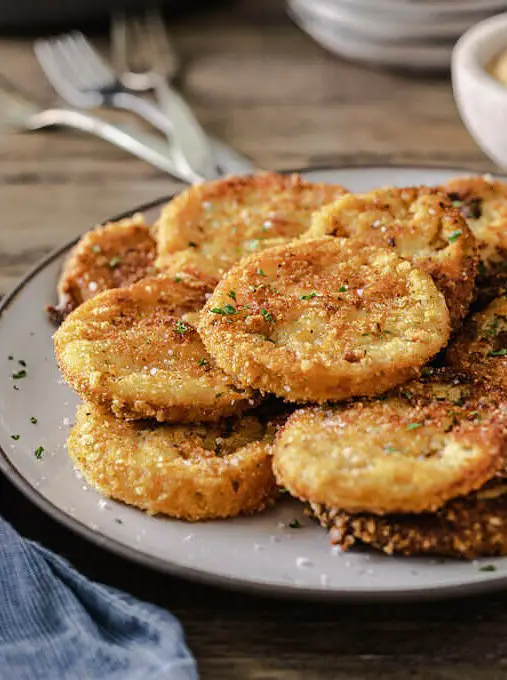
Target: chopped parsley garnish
[33, 420]
[476, 415]
[229, 309]
[21, 362]
[218, 395]
[261, 273]
[267, 316]
[295, 524]
[497, 353]
[177, 279]
[96, 248]
[389, 449]
[19, 374]
[38, 452]
[493, 328]
[342, 289]
[203, 362]
[488, 567]
[457, 204]
[232, 294]
[181, 327]
[15, 437]
[192, 244]
[309, 296]
[217, 310]
[454, 235]
[413, 426]
[114, 262]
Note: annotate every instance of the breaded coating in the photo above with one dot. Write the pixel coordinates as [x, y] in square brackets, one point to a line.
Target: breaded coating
[469, 527]
[213, 225]
[324, 320]
[481, 347]
[193, 472]
[426, 442]
[134, 352]
[115, 255]
[419, 225]
[482, 200]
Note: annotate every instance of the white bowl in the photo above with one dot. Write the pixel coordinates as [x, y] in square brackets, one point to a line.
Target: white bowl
[395, 27]
[417, 11]
[481, 100]
[352, 45]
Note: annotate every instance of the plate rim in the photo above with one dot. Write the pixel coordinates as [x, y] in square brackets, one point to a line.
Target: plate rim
[294, 592]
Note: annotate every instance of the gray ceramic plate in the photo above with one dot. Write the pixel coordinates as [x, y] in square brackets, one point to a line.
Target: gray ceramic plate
[259, 553]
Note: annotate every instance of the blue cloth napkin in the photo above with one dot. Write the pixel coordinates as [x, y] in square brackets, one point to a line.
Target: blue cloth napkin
[57, 625]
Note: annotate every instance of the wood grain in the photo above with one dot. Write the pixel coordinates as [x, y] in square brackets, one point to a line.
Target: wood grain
[258, 82]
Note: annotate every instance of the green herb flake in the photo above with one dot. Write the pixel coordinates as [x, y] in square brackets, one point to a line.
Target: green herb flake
[364, 335]
[33, 420]
[457, 204]
[232, 294]
[218, 395]
[203, 362]
[177, 279]
[96, 248]
[497, 353]
[217, 310]
[454, 235]
[309, 296]
[192, 244]
[261, 273]
[295, 524]
[229, 309]
[413, 426]
[22, 363]
[488, 567]
[493, 328]
[15, 437]
[181, 327]
[20, 374]
[267, 316]
[389, 449]
[342, 289]
[114, 262]
[38, 452]
[476, 415]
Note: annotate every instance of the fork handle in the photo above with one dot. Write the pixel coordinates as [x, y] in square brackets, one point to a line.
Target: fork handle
[145, 146]
[189, 144]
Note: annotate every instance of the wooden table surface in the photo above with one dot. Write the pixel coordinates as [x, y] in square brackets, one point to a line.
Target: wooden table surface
[256, 81]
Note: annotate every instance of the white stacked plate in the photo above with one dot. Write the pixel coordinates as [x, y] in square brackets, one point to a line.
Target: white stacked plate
[408, 34]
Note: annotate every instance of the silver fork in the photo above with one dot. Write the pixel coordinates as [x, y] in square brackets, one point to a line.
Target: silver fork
[82, 78]
[140, 48]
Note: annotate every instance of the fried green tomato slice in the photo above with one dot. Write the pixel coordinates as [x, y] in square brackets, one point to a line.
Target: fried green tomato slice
[481, 347]
[469, 527]
[115, 255]
[133, 352]
[213, 225]
[192, 472]
[482, 200]
[428, 441]
[417, 223]
[323, 320]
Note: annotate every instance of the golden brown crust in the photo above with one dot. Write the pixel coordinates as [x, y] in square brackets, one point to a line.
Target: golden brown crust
[135, 352]
[417, 223]
[469, 527]
[193, 472]
[324, 320]
[426, 442]
[482, 200]
[114, 255]
[213, 225]
[481, 347]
